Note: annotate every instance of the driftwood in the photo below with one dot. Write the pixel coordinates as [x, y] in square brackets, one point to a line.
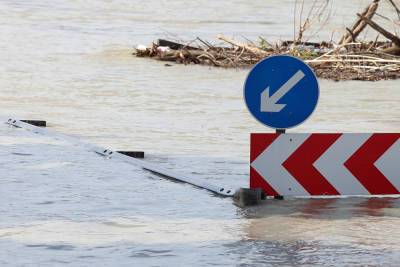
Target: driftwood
[360, 24]
[322, 44]
[347, 60]
[361, 61]
[251, 49]
[174, 45]
[206, 54]
[381, 30]
[394, 50]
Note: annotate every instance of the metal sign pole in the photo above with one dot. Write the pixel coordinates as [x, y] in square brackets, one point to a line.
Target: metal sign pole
[280, 131]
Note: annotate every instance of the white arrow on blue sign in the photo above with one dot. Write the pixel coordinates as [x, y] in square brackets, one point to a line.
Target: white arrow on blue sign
[281, 91]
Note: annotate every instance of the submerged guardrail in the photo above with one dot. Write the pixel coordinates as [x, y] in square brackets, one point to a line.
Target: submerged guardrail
[115, 155]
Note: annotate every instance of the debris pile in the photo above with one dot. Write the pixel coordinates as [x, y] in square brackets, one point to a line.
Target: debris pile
[237, 55]
[348, 59]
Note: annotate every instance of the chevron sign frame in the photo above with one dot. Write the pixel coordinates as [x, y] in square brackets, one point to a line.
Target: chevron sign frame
[330, 164]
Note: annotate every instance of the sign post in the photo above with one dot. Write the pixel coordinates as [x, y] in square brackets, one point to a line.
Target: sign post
[281, 92]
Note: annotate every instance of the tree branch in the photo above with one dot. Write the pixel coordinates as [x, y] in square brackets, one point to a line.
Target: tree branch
[388, 35]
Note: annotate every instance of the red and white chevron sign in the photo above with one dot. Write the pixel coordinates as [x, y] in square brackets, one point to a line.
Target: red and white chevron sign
[325, 164]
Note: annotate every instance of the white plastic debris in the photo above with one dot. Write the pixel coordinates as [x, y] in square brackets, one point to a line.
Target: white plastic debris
[141, 48]
[163, 48]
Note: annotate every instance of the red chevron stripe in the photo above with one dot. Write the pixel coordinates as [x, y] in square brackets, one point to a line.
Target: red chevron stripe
[361, 164]
[257, 181]
[259, 142]
[300, 164]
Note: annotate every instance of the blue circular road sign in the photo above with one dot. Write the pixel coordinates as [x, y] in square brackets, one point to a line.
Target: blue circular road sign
[281, 91]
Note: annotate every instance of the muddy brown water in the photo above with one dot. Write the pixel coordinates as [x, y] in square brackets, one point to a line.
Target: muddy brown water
[70, 63]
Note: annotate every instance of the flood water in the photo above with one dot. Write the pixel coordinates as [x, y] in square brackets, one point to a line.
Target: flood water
[70, 63]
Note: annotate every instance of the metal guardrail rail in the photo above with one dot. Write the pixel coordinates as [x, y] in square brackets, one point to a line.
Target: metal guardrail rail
[114, 155]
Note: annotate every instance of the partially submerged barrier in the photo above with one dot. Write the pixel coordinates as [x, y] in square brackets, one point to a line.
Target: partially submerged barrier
[38, 123]
[331, 164]
[311, 164]
[115, 155]
[290, 165]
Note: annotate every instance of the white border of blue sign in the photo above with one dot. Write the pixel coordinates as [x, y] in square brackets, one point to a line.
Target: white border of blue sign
[244, 97]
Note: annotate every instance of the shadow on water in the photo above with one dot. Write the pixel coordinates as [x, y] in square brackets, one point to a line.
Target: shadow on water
[330, 209]
[319, 232]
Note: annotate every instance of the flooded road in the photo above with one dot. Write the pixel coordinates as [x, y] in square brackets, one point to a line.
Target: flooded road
[70, 63]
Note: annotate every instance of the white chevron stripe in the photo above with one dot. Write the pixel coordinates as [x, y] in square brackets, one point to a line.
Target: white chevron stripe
[330, 164]
[389, 164]
[269, 164]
